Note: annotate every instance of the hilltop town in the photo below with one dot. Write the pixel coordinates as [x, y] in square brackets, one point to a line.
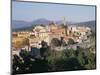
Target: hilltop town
[27, 39]
[53, 47]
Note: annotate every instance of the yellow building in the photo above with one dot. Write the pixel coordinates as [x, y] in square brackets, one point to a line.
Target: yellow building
[19, 42]
[24, 34]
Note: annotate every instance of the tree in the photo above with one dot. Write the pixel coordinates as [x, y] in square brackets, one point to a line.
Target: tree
[60, 61]
[72, 64]
[69, 53]
[91, 61]
[62, 42]
[55, 60]
[55, 42]
[81, 58]
[44, 49]
[71, 41]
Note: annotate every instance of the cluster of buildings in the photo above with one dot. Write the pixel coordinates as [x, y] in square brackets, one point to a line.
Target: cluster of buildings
[46, 33]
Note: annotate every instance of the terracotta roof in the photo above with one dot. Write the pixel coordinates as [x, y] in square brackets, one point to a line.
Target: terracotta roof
[57, 30]
[37, 30]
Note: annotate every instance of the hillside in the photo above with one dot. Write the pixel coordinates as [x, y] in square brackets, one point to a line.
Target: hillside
[91, 24]
[19, 24]
[23, 25]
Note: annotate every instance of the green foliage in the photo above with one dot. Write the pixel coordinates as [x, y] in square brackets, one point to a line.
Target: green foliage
[71, 41]
[81, 59]
[69, 53]
[66, 60]
[55, 60]
[55, 42]
[91, 61]
[87, 59]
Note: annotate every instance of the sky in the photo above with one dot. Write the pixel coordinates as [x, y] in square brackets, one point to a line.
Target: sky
[29, 11]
